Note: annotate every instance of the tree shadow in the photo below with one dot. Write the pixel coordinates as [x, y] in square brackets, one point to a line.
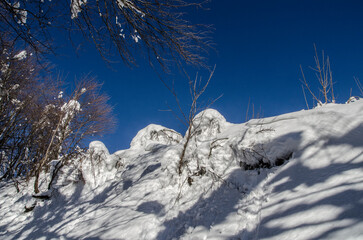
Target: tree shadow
[344, 198]
[352, 210]
[152, 207]
[65, 213]
[46, 217]
[206, 211]
[215, 209]
[354, 138]
[49, 220]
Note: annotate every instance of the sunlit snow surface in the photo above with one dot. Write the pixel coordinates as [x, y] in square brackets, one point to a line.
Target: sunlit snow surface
[137, 193]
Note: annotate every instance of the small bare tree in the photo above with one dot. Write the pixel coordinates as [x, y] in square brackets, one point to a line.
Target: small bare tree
[85, 114]
[93, 116]
[196, 89]
[324, 76]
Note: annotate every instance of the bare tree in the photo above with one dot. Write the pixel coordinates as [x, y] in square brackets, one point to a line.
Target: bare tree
[38, 122]
[93, 116]
[86, 113]
[196, 89]
[20, 94]
[122, 26]
[324, 76]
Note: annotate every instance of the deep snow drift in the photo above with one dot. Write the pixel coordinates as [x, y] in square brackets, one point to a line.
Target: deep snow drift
[294, 176]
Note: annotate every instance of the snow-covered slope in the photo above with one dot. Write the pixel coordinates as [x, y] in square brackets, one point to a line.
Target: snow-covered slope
[294, 176]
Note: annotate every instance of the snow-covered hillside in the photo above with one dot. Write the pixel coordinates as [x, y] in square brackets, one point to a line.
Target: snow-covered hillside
[294, 176]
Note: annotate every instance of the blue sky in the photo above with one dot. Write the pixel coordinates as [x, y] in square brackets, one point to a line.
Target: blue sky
[259, 47]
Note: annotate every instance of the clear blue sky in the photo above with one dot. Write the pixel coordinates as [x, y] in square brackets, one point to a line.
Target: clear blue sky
[259, 47]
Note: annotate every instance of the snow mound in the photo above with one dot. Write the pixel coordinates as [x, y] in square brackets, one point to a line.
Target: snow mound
[98, 166]
[99, 148]
[208, 124]
[155, 134]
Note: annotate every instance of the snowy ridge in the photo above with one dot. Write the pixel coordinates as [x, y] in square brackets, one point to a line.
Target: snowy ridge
[293, 176]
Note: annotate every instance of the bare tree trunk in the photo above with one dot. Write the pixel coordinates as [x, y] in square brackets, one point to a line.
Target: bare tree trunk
[185, 146]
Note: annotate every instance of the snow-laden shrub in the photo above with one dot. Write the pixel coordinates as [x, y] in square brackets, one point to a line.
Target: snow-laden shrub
[98, 166]
[257, 146]
[249, 149]
[213, 150]
[93, 166]
[207, 125]
[352, 99]
[155, 134]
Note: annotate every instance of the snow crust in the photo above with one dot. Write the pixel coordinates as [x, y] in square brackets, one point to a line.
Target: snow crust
[293, 176]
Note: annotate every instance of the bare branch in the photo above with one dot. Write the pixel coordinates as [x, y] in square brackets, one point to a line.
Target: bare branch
[324, 76]
[359, 85]
[155, 28]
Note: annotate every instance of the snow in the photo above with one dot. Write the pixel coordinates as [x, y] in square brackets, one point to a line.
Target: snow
[293, 176]
[4, 67]
[209, 124]
[99, 167]
[21, 14]
[120, 4]
[136, 38]
[21, 55]
[130, 5]
[155, 134]
[76, 7]
[70, 109]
